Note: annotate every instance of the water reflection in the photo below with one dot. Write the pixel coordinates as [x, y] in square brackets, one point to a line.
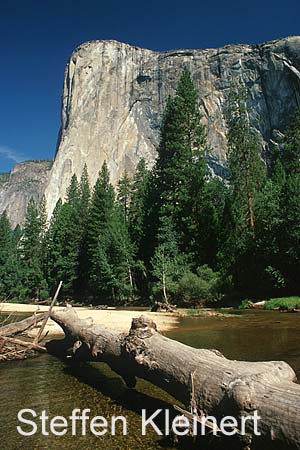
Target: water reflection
[254, 336]
[47, 383]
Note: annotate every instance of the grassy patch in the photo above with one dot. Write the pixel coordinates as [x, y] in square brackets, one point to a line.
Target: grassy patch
[196, 312]
[284, 302]
[204, 312]
[244, 304]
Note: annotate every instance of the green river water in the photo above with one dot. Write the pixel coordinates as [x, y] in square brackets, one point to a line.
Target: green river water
[45, 383]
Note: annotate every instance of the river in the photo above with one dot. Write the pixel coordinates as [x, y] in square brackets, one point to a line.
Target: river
[45, 383]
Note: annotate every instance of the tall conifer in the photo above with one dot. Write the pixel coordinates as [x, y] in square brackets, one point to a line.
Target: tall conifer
[180, 169]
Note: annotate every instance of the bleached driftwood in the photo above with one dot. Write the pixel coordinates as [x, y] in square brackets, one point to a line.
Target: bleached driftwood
[12, 329]
[220, 386]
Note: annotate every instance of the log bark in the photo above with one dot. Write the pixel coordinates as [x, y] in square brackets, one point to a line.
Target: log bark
[220, 386]
[257, 305]
[166, 307]
[12, 329]
[39, 334]
[19, 342]
[12, 348]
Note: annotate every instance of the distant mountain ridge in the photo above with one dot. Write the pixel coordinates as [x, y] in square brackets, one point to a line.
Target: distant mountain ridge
[27, 179]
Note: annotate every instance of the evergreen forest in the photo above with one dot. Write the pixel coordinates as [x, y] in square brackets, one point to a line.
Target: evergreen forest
[175, 232]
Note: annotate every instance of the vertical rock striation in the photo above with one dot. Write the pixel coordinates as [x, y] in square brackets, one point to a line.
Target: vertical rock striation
[114, 94]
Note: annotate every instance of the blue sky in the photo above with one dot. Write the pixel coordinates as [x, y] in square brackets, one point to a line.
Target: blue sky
[37, 38]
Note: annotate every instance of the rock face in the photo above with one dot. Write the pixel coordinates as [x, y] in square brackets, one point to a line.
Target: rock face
[26, 180]
[114, 94]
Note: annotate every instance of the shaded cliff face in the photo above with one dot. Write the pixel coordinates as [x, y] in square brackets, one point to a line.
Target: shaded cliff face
[26, 180]
[114, 94]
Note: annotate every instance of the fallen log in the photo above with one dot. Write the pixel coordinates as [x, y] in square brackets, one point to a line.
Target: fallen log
[12, 329]
[10, 346]
[14, 355]
[289, 309]
[203, 380]
[165, 307]
[257, 305]
[29, 345]
[40, 332]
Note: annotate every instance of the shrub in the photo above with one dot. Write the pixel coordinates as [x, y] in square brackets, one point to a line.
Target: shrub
[200, 287]
[244, 304]
[283, 302]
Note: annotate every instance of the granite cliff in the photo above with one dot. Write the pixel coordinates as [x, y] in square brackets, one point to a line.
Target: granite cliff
[114, 94]
[27, 179]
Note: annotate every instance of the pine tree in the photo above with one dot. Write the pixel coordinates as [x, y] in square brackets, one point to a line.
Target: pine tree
[101, 207]
[100, 215]
[85, 198]
[63, 241]
[247, 176]
[142, 225]
[180, 170]
[278, 174]
[85, 190]
[52, 245]
[73, 232]
[110, 259]
[123, 194]
[34, 282]
[210, 207]
[167, 262]
[5, 238]
[10, 270]
[291, 153]
[245, 165]
[138, 201]
[269, 278]
[5, 249]
[290, 232]
[42, 211]
[121, 256]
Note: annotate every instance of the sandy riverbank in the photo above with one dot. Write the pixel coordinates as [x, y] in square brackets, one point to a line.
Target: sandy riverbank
[111, 318]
